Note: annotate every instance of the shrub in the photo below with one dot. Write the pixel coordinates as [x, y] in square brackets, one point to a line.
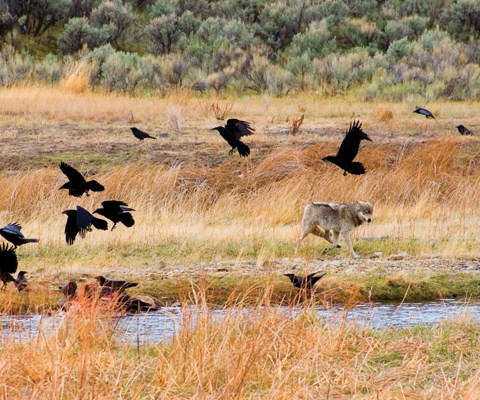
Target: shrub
[465, 19]
[114, 17]
[49, 70]
[78, 33]
[163, 33]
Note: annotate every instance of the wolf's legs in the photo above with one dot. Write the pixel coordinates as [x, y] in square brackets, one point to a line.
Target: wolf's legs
[332, 237]
[348, 241]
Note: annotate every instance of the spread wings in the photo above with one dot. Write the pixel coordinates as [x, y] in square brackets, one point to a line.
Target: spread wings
[72, 174]
[350, 145]
[8, 259]
[239, 128]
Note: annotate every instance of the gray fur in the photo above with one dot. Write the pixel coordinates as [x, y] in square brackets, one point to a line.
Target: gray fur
[329, 220]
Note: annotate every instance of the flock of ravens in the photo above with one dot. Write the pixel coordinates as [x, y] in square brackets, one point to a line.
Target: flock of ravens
[80, 221]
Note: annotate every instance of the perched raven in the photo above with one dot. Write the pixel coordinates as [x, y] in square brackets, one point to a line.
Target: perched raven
[307, 282]
[424, 111]
[8, 264]
[81, 221]
[349, 149]
[464, 131]
[21, 282]
[232, 132]
[116, 211]
[69, 290]
[141, 134]
[12, 232]
[77, 185]
[109, 286]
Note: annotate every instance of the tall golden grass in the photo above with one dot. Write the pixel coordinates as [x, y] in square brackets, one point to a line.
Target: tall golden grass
[421, 190]
[265, 352]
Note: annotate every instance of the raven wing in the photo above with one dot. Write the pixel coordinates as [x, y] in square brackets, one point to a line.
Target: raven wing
[113, 205]
[314, 279]
[8, 259]
[13, 229]
[239, 128]
[351, 143]
[83, 221]
[72, 174]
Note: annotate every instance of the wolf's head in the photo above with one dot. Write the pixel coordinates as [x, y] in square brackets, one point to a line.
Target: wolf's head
[364, 211]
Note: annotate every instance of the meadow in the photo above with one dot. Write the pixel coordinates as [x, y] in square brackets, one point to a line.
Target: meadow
[217, 229]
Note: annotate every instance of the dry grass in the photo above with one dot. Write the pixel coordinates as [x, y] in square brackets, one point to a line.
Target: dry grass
[195, 204]
[263, 353]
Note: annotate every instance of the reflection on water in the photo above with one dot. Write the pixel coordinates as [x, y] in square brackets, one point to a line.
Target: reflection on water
[161, 325]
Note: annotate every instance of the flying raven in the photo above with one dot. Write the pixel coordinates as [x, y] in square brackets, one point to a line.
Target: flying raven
[349, 149]
[233, 131]
[306, 282]
[21, 282]
[464, 131]
[424, 111]
[141, 134]
[8, 264]
[77, 185]
[12, 232]
[81, 221]
[116, 211]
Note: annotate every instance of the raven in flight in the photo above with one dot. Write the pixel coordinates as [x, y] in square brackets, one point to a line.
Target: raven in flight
[81, 221]
[464, 131]
[232, 132]
[116, 211]
[8, 264]
[77, 185]
[424, 111]
[141, 134]
[349, 149]
[12, 232]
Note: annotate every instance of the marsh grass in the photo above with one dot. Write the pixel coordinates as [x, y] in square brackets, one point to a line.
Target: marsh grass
[259, 352]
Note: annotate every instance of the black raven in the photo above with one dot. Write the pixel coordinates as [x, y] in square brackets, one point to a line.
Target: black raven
[8, 264]
[116, 211]
[424, 111]
[81, 221]
[109, 287]
[349, 149]
[464, 131]
[306, 282]
[141, 134]
[69, 290]
[233, 131]
[12, 232]
[21, 282]
[77, 185]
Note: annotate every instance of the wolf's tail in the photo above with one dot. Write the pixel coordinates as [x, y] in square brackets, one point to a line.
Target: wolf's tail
[243, 149]
[356, 168]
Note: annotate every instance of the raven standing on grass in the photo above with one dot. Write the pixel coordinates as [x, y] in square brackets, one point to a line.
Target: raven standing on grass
[349, 149]
[21, 282]
[12, 232]
[116, 211]
[141, 134]
[81, 221]
[109, 287]
[464, 131]
[8, 264]
[424, 111]
[232, 132]
[77, 185]
[306, 282]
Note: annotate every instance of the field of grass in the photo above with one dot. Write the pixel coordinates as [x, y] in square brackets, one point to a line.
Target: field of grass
[197, 205]
[263, 353]
[208, 224]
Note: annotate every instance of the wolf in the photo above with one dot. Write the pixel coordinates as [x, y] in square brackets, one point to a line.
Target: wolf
[328, 220]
